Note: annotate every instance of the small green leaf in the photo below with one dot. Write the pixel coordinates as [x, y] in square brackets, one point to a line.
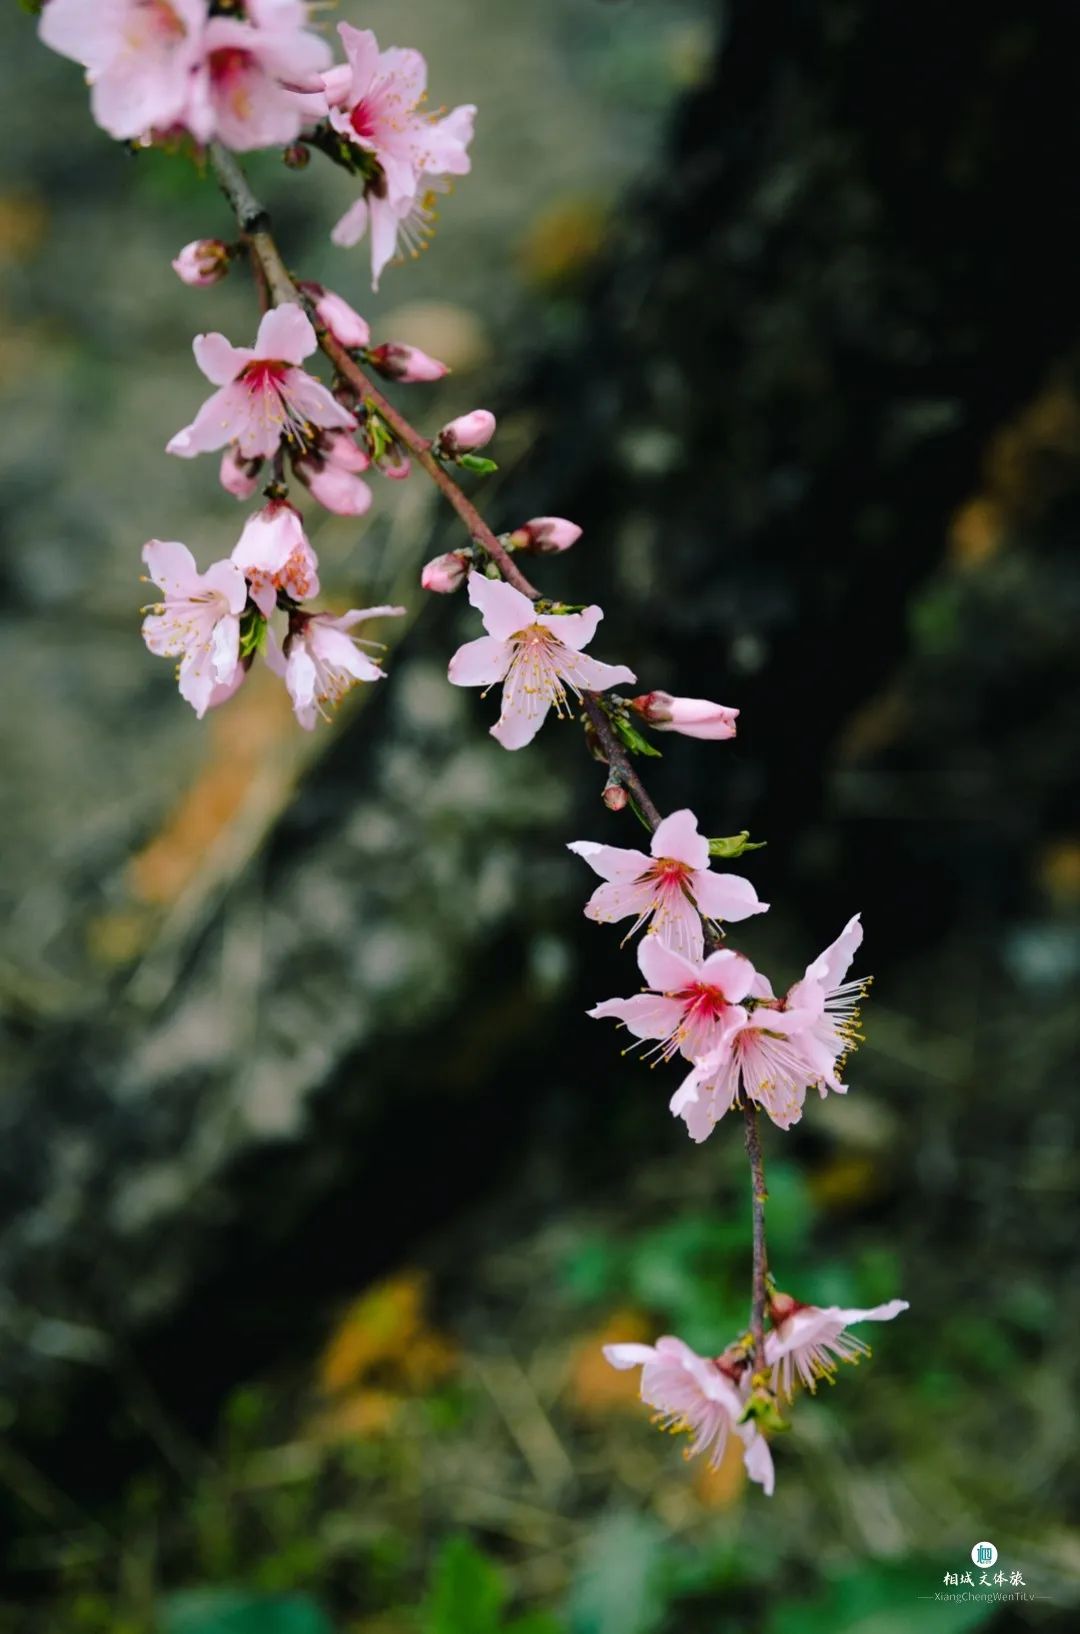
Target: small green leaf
[477, 462]
[634, 740]
[467, 1592]
[735, 844]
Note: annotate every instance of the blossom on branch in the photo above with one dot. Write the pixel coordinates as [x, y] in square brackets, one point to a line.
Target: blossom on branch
[245, 89]
[198, 621]
[807, 1341]
[204, 261]
[264, 397]
[537, 657]
[140, 57]
[671, 890]
[691, 1004]
[375, 103]
[330, 469]
[692, 1395]
[274, 553]
[321, 661]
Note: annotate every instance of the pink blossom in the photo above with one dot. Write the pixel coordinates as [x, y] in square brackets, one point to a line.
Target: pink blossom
[198, 621]
[693, 717]
[537, 657]
[691, 1394]
[331, 468]
[273, 553]
[691, 1005]
[238, 476]
[766, 1058]
[466, 434]
[446, 573]
[406, 363]
[264, 395]
[673, 887]
[321, 661]
[834, 1002]
[546, 535]
[140, 56]
[807, 1341]
[375, 102]
[245, 90]
[345, 324]
[202, 262]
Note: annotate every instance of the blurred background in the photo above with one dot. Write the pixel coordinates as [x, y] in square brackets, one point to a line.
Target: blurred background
[319, 1192]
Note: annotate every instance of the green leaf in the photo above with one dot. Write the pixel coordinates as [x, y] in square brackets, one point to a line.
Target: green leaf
[477, 462]
[467, 1592]
[735, 844]
[236, 1611]
[621, 1588]
[634, 740]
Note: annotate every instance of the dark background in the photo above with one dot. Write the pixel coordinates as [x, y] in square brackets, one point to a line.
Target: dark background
[320, 1193]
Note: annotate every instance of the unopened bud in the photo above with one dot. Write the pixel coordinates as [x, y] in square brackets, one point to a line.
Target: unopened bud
[693, 717]
[203, 261]
[614, 796]
[466, 433]
[444, 574]
[345, 325]
[546, 535]
[238, 476]
[408, 363]
[297, 156]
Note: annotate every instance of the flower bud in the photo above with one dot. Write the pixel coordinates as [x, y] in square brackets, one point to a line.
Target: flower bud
[331, 474]
[345, 325]
[693, 717]
[444, 574]
[546, 535]
[614, 795]
[407, 363]
[466, 433]
[238, 476]
[203, 261]
[297, 156]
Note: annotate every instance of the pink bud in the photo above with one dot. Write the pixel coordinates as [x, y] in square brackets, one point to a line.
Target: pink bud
[337, 489]
[614, 796]
[445, 573]
[203, 261]
[467, 433]
[408, 363]
[693, 717]
[347, 327]
[238, 476]
[546, 535]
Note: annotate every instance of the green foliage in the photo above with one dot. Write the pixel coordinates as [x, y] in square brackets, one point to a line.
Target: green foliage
[621, 1588]
[234, 1611]
[478, 463]
[880, 1598]
[468, 1595]
[733, 845]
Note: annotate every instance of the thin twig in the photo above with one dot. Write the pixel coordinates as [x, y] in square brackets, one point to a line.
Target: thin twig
[759, 1197]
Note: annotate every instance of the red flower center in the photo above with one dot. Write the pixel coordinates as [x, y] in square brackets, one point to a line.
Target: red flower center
[703, 1003]
[264, 374]
[362, 120]
[228, 64]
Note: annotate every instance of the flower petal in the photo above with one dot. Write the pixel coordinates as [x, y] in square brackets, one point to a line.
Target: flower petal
[480, 663]
[678, 837]
[611, 861]
[285, 335]
[726, 896]
[503, 609]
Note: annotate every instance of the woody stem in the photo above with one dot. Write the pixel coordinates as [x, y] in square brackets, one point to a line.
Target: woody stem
[254, 222]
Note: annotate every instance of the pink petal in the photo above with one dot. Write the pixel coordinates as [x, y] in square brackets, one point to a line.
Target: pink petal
[229, 415]
[285, 335]
[503, 609]
[677, 922]
[352, 226]
[731, 972]
[573, 629]
[590, 675]
[311, 400]
[219, 360]
[480, 663]
[628, 1355]
[611, 861]
[664, 969]
[678, 837]
[830, 967]
[226, 579]
[647, 1015]
[620, 900]
[726, 896]
[172, 567]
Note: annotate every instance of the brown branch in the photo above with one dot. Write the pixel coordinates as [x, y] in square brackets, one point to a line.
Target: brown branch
[254, 222]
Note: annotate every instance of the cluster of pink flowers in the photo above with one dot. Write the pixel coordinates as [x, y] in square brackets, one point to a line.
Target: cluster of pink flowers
[252, 74]
[217, 622]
